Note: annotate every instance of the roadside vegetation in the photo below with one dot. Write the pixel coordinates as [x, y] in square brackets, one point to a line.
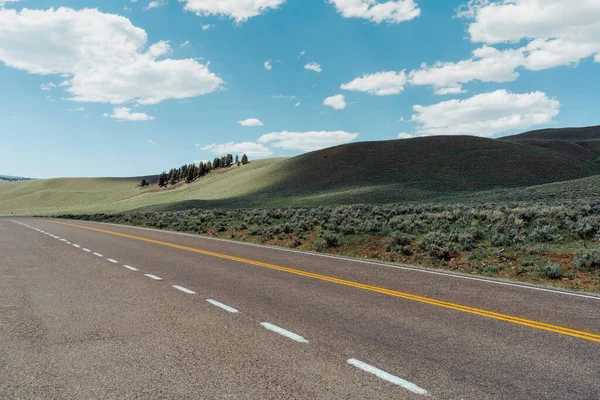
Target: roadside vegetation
[550, 243]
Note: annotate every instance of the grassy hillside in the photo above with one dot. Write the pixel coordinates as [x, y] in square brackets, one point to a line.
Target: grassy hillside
[369, 172]
[565, 134]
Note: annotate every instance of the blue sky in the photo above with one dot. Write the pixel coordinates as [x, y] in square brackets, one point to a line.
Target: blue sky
[115, 88]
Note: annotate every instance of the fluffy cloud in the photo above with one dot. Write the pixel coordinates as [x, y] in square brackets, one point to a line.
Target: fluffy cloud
[487, 65]
[307, 141]
[380, 83]
[47, 86]
[338, 102]
[392, 12]
[268, 65]
[405, 135]
[249, 148]
[313, 66]
[125, 114]
[556, 33]
[239, 10]
[104, 57]
[155, 4]
[251, 122]
[485, 114]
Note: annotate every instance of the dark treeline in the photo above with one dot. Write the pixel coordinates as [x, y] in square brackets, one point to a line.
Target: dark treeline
[189, 173]
[14, 178]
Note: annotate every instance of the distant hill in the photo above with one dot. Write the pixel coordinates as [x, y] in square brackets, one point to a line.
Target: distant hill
[563, 134]
[419, 169]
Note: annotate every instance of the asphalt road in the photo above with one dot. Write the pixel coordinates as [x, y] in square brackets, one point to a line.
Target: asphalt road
[97, 311]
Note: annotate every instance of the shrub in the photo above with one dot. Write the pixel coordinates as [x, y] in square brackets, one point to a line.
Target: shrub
[588, 259]
[552, 272]
[546, 234]
[435, 245]
[527, 262]
[332, 240]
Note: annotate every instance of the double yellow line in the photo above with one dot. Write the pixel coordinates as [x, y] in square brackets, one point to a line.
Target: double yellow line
[471, 310]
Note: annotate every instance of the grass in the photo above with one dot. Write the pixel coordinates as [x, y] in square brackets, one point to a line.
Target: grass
[420, 169]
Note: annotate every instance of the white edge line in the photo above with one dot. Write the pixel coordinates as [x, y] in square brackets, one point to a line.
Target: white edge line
[414, 269]
[406, 268]
[184, 290]
[223, 306]
[130, 267]
[112, 261]
[156, 278]
[98, 254]
[388, 377]
[284, 332]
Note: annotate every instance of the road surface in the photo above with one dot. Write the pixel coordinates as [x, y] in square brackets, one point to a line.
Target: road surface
[101, 311]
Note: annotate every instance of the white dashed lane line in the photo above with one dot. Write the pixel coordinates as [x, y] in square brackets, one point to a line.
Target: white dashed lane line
[130, 267]
[156, 278]
[284, 332]
[98, 254]
[86, 250]
[184, 290]
[223, 306]
[388, 377]
[112, 261]
[76, 245]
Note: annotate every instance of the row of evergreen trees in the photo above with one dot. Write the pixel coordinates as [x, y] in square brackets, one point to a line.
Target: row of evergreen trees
[189, 173]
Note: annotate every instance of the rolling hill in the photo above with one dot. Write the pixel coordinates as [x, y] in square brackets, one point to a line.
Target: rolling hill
[429, 168]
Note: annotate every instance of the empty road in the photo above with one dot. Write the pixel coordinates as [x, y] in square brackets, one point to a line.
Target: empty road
[98, 311]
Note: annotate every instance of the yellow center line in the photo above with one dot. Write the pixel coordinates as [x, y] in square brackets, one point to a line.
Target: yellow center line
[452, 306]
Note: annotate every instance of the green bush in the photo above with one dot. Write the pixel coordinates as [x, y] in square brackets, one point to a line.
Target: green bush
[435, 245]
[588, 259]
[552, 272]
[332, 240]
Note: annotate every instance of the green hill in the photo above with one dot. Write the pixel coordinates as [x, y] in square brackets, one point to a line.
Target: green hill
[564, 134]
[368, 172]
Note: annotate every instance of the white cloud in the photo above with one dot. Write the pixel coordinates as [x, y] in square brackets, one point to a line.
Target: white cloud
[392, 12]
[405, 135]
[47, 86]
[283, 97]
[555, 32]
[159, 49]
[251, 149]
[239, 10]
[486, 114]
[487, 65]
[77, 109]
[102, 55]
[380, 83]
[251, 122]
[150, 141]
[297, 104]
[268, 65]
[313, 66]
[338, 102]
[187, 42]
[155, 4]
[125, 114]
[307, 141]
[206, 27]
[3, 3]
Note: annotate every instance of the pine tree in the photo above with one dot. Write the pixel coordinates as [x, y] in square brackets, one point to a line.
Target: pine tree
[144, 183]
[245, 159]
[237, 160]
